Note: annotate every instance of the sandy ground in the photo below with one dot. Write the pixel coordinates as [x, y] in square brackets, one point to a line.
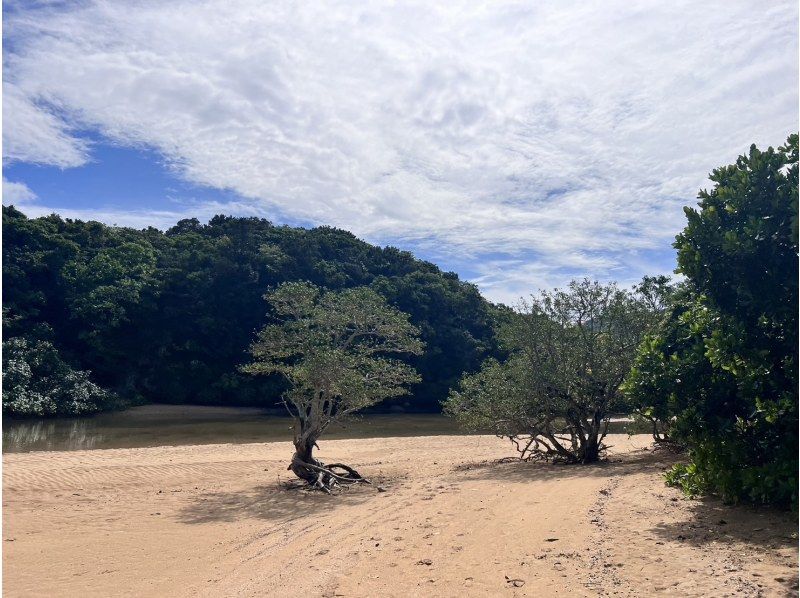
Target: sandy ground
[213, 521]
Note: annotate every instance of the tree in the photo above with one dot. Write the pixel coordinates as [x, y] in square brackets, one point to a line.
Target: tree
[722, 368]
[336, 349]
[569, 353]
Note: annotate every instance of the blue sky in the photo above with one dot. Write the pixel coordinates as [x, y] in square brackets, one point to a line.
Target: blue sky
[519, 144]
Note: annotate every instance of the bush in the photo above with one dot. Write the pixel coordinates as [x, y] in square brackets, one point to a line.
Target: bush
[721, 372]
[36, 381]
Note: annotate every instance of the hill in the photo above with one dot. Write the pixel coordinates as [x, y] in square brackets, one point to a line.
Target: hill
[167, 316]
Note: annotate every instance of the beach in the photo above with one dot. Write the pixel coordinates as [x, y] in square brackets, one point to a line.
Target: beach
[445, 516]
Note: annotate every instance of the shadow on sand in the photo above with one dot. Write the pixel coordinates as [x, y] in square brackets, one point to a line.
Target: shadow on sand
[708, 519]
[514, 470]
[711, 520]
[272, 502]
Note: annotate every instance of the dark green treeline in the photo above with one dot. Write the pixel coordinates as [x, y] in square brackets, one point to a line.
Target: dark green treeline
[168, 316]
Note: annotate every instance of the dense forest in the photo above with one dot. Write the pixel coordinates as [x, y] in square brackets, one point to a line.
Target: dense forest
[96, 316]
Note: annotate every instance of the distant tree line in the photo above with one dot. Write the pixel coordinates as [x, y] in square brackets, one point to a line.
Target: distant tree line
[152, 316]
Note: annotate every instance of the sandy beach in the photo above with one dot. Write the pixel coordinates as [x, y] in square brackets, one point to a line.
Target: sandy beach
[214, 520]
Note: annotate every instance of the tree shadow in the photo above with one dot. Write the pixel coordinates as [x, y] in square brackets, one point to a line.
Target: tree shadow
[271, 502]
[711, 520]
[514, 470]
[708, 519]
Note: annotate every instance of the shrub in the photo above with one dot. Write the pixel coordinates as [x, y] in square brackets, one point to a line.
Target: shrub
[721, 372]
[36, 381]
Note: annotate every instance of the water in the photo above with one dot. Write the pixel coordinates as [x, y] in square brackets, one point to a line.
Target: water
[159, 425]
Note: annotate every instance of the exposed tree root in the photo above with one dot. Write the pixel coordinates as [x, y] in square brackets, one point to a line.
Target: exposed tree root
[325, 477]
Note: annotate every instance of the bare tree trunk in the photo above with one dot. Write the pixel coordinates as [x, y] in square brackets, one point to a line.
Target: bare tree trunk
[302, 458]
[591, 449]
[314, 472]
[591, 452]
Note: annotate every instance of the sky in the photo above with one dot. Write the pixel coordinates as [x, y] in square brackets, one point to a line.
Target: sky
[520, 144]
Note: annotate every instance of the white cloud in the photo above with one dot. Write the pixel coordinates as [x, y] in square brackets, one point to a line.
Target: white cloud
[549, 129]
[34, 133]
[15, 193]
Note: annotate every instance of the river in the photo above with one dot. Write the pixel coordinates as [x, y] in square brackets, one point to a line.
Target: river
[159, 425]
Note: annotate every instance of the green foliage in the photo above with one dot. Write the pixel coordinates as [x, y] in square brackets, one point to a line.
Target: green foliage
[569, 352]
[712, 470]
[36, 381]
[721, 372]
[337, 351]
[168, 316]
[101, 288]
[495, 399]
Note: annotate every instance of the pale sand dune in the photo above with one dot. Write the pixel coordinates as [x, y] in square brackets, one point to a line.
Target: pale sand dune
[211, 521]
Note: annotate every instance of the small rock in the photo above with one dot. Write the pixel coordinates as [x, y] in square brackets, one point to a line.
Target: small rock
[381, 489]
[427, 562]
[517, 583]
[551, 540]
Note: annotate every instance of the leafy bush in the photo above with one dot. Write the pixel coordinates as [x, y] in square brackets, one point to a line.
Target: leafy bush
[36, 381]
[721, 372]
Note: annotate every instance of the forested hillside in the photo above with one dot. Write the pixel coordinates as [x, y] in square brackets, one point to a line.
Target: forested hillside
[168, 316]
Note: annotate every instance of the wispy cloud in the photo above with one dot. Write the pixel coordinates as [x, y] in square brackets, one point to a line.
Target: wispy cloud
[35, 133]
[15, 193]
[569, 133]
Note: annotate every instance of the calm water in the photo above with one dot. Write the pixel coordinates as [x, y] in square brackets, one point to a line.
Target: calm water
[158, 425]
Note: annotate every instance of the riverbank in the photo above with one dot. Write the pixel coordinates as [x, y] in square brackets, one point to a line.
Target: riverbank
[212, 520]
[179, 425]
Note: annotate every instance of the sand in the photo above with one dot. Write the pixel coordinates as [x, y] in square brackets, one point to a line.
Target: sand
[213, 520]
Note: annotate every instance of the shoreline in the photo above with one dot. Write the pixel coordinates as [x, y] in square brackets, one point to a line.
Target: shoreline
[455, 520]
